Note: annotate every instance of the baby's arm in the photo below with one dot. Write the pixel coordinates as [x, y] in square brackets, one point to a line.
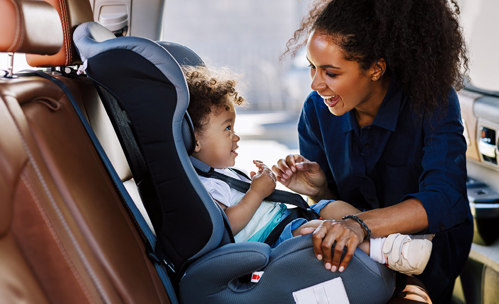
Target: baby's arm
[262, 185]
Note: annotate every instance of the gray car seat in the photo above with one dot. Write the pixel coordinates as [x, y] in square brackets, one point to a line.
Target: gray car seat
[145, 93]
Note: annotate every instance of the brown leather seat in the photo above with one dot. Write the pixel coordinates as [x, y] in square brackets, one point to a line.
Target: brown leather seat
[65, 236]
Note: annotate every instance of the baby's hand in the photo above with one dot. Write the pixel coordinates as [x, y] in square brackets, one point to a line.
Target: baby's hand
[263, 181]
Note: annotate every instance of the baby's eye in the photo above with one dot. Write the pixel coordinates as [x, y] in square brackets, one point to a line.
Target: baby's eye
[228, 128]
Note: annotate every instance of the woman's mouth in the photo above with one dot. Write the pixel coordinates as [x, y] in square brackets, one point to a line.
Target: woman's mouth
[331, 101]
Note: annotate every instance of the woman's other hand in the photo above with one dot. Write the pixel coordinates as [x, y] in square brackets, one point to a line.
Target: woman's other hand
[302, 176]
[346, 233]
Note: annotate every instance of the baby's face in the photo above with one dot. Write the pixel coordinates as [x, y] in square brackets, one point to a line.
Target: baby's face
[217, 142]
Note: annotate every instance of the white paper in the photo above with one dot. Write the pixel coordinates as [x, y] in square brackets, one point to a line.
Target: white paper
[329, 292]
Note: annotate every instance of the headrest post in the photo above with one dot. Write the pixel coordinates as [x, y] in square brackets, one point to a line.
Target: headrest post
[10, 69]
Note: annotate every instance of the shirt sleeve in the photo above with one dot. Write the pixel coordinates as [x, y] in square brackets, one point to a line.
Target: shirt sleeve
[442, 186]
[219, 190]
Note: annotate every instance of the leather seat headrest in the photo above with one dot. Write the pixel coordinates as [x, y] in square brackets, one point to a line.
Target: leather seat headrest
[24, 26]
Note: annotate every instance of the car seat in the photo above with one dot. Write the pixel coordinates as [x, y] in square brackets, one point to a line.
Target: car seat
[146, 95]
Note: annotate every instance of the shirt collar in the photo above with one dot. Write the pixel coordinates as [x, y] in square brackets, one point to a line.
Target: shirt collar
[388, 112]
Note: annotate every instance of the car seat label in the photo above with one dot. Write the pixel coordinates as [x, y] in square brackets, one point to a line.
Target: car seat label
[332, 291]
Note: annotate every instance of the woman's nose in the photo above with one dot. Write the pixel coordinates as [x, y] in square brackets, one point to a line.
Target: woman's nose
[317, 81]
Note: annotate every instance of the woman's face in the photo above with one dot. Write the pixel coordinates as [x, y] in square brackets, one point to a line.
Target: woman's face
[342, 83]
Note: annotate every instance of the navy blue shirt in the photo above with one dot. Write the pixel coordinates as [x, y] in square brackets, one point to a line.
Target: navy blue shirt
[401, 155]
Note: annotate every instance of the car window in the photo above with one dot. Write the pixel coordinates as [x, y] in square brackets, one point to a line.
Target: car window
[480, 23]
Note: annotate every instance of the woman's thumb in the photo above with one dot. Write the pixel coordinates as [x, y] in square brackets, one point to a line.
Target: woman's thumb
[307, 230]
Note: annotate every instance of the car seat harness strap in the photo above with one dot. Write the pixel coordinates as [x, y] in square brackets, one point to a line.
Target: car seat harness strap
[303, 210]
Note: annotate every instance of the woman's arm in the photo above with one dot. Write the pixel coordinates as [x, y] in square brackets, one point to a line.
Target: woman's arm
[440, 204]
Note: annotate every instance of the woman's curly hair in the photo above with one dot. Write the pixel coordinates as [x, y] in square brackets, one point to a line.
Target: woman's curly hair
[209, 90]
[420, 40]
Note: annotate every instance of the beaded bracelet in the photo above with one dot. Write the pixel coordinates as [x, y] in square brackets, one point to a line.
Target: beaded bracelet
[361, 222]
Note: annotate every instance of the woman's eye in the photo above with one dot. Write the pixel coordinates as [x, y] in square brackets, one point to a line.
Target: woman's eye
[310, 66]
[332, 75]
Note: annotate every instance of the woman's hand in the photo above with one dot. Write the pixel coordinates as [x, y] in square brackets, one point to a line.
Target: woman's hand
[346, 233]
[307, 228]
[263, 182]
[302, 176]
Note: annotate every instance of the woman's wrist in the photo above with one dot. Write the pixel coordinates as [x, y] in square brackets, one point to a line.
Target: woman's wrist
[323, 193]
[365, 228]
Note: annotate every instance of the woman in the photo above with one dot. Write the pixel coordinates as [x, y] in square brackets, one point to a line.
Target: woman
[382, 130]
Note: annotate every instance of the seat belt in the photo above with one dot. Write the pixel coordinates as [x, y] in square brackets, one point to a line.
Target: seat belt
[160, 265]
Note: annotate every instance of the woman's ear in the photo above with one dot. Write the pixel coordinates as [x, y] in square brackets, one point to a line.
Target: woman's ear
[378, 69]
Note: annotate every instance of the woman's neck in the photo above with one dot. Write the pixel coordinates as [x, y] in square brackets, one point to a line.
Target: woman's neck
[367, 111]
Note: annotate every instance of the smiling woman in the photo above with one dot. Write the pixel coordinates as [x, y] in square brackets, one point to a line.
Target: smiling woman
[380, 128]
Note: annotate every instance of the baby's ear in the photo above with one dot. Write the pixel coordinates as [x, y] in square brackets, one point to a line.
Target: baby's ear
[197, 148]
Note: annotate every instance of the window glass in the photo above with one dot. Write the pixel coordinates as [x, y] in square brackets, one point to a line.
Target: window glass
[480, 23]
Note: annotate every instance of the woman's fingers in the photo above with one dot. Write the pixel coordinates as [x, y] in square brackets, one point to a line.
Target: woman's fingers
[338, 252]
[331, 233]
[285, 168]
[307, 230]
[291, 161]
[281, 170]
[318, 239]
[351, 246]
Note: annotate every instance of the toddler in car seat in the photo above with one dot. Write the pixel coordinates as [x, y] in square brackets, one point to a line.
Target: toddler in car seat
[213, 97]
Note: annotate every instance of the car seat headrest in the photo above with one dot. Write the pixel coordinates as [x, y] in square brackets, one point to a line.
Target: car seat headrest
[24, 24]
[185, 56]
[71, 14]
